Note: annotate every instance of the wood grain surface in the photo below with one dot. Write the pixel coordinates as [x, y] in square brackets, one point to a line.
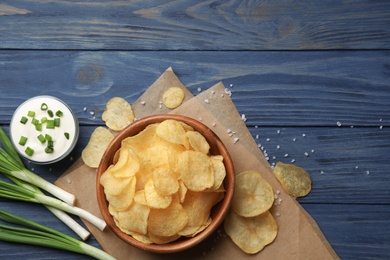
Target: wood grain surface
[310, 77]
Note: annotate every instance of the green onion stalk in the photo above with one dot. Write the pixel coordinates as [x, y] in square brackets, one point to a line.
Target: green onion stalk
[12, 191]
[34, 233]
[11, 167]
[10, 158]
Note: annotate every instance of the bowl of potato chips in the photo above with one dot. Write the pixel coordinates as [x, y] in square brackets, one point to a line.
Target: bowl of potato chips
[165, 183]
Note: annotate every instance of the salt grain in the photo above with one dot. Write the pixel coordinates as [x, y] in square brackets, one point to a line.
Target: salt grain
[213, 124]
[199, 89]
[207, 101]
[268, 139]
[306, 154]
[338, 123]
[367, 172]
[91, 113]
[143, 102]
[85, 109]
[278, 147]
[277, 214]
[294, 139]
[236, 140]
[292, 160]
[257, 136]
[286, 155]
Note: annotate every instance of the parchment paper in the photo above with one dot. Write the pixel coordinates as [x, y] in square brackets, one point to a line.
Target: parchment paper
[299, 237]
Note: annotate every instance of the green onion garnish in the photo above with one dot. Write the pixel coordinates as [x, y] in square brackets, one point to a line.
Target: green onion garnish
[29, 151]
[38, 127]
[50, 113]
[57, 122]
[31, 113]
[41, 138]
[44, 107]
[23, 120]
[34, 121]
[49, 150]
[43, 120]
[66, 135]
[50, 124]
[48, 137]
[59, 113]
[23, 140]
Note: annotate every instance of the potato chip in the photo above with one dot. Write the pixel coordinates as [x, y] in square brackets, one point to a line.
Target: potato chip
[182, 191]
[169, 221]
[198, 142]
[159, 240]
[97, 144]
[118, 114]
[127, 165]
[251, 234]
[142, 140]
[173, 97]
[252, 194]
[134, 219]
[139, 197]
[165, 181]
[155, 200]
[171, 131]
[294, 179]
[197, 171]
[112, 184]
[219, 171]
[197, 206]
[123, 200]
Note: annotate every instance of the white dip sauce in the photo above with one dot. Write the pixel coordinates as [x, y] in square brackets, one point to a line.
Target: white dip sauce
[68, 124]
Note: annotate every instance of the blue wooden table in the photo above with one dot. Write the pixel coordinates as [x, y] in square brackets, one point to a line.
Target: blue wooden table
[311, 77]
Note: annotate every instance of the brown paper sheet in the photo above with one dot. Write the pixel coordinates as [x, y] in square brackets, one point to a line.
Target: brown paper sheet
[299, 236]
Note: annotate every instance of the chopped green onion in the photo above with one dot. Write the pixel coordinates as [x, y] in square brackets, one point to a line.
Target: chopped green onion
[41, 138]
[57, 122]
[23, 120]
[31, 113]
[43, 120]
[44, 107]
[35, 121]
[23, 140]
[59, 113]
[29, 151]
[48, 137]
[49, 149]
[66, 135]
[50, 124]
[38, 127]
[50, 113]
[33, 233]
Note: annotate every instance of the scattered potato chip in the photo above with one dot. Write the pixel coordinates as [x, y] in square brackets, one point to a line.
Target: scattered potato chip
[173, 97]
[159, 240]
[252, 194]
[197, 171]
[251, 234]
[198, 142]
[118, 114]
[294, 179]
[97, 144]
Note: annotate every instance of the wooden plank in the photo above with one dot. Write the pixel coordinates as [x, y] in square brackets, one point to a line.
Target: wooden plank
[189, 25]
[270, 88]
[354, 231]
[346, 165]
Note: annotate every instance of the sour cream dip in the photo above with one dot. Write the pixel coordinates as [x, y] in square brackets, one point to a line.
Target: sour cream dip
[33, 134]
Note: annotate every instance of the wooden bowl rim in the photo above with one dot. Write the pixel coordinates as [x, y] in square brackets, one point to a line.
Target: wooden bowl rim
[219, 211]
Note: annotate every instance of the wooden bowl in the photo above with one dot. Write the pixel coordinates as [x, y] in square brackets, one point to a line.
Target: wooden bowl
[218, 212]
